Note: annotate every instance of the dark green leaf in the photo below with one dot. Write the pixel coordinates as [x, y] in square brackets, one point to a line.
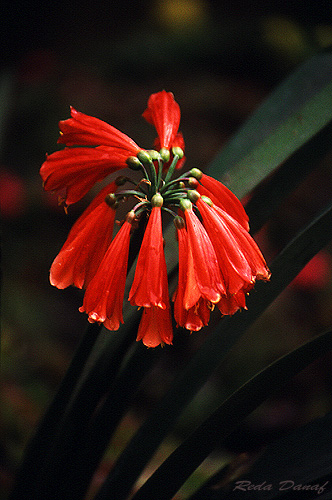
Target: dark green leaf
[189, 455]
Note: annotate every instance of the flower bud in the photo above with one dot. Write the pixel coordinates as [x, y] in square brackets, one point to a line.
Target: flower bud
[165, 154]
[157, 200]
[185, 204]
[192, 182]
[144, 157]
[195, 172]
[179, 222]
[193, 195]
[207, 200]
[178, 151]
[111, 200]
[154, 155]
[134, 163]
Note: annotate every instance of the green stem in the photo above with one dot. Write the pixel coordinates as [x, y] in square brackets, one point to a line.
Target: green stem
[171, 169]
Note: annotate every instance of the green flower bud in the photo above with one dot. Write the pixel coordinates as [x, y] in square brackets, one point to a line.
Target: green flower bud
[179, 222]
[144, 157]
[195, 172]
[207, 200]
[165, 154]
[134, 163]
[193, 195]
[154, 155]
[157, 200]
[185, 204]
[178, 151]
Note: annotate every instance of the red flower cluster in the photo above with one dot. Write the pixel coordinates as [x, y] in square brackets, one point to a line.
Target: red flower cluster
[219, 262]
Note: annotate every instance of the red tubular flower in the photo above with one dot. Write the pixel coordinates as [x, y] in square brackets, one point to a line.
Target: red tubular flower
[150, 280]
[77, 169]
[105, 293]
[155, 327]
[205, 268]
[164, 113]
[224, 198]
[87, 242]
[240, 260]
[84, 130]
[191, 317]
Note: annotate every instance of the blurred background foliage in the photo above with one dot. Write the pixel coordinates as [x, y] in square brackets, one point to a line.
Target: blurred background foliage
[220, 59]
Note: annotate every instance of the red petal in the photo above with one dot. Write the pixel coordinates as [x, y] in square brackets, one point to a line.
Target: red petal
[78, 169]
[150, 285]
[223, 198]
[155, 327]
[84, 130]
[103, 298]
[164, 113]
[207, 274]
[240, 260]
[85, 247]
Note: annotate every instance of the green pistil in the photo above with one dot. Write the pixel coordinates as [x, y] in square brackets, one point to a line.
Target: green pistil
[141, 207]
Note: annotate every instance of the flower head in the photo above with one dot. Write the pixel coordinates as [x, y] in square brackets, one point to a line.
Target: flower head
[219, 262]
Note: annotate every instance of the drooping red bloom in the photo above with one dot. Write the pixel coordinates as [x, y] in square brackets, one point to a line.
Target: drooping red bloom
[224, 198]
[87, 242]
[240, 260]
[102, 150]
[191, 311]
[218, 260]
[104, 295]
[84, 130]
[206, 275]
[155, 327]
[150, 280]
[164, 113]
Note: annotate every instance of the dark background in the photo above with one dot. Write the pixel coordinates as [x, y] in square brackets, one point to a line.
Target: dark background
[220, 59]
